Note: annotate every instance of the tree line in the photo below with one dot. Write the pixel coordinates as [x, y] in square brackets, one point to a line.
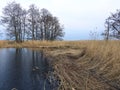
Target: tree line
[31, 24]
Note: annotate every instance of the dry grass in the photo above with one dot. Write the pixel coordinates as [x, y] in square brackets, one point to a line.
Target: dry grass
[74, 64]
[2, 43]
[35, 44]
[81, 65]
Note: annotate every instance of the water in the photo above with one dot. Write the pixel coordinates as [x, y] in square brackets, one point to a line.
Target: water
[23, 69]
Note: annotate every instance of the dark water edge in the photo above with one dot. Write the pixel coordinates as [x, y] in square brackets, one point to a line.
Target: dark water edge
[25, 69]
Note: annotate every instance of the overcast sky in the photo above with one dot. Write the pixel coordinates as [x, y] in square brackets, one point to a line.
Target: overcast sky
[78, 16]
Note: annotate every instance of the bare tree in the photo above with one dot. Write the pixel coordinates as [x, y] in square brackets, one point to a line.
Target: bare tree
[12, 15]
[112, 25]
[50, 26]
[24, 24]
[33, 24]
[32, 18]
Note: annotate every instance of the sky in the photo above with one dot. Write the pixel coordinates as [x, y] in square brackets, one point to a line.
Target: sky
[79, 17]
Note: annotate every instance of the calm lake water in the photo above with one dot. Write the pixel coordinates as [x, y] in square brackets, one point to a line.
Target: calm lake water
[24, 69]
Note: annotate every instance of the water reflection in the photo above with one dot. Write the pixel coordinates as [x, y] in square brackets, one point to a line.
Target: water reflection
[24, 69]
[39, 71]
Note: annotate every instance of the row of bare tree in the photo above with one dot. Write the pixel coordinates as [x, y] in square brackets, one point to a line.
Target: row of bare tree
[31, 24]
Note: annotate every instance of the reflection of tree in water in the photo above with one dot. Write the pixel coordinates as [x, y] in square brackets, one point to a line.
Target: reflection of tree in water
[16, 70]
[39, 71]
[42, 78]
[18, 53]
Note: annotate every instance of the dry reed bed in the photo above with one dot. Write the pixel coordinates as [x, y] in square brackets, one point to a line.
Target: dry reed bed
[74, 64]
[35, 44]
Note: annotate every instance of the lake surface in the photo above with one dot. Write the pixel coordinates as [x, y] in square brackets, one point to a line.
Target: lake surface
[24, 69]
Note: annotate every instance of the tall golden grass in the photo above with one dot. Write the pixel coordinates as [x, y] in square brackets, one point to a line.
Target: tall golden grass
[100, 57]
[104, 58]
[39, 44]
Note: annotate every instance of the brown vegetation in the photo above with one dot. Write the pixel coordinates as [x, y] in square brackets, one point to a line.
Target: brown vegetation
[88, 65]
[81, 65]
